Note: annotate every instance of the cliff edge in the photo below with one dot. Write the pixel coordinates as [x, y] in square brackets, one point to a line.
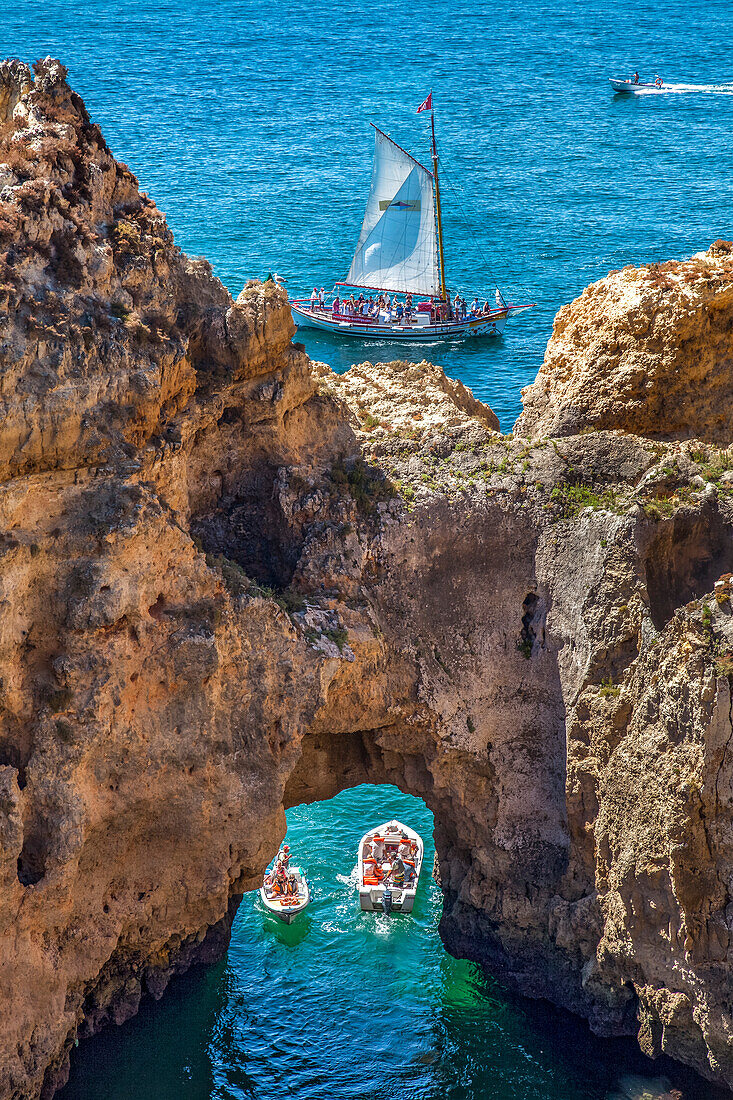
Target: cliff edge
[647, 350]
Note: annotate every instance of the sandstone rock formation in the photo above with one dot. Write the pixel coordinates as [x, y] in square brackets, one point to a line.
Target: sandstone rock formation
[647, 350]
[232, 581]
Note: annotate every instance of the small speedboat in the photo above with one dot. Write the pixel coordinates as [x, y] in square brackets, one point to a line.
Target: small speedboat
[636, 86]
[286, 906]
[379, 889]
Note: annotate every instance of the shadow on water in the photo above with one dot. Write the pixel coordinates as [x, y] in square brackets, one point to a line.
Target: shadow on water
[163, 1052]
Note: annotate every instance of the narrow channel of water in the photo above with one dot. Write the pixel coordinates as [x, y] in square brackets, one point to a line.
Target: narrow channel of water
[347, 1005]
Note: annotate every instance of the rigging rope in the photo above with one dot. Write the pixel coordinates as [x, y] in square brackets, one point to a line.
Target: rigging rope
[448, 178]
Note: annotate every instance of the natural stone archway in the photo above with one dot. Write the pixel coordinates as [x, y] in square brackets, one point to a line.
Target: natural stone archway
[230, 580]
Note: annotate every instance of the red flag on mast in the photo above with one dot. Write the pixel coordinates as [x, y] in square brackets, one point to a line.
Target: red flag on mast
[427, 104]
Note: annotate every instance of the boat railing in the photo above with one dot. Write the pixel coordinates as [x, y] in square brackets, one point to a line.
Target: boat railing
[355, 318]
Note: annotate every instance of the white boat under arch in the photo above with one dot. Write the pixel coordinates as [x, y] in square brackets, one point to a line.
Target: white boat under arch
[391, 839]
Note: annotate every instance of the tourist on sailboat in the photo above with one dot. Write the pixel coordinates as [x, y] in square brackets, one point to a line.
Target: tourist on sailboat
[321, 298]
[314, 299]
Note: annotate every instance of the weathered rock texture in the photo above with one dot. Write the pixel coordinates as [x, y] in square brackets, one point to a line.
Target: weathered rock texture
[647, 350]
[232, 581]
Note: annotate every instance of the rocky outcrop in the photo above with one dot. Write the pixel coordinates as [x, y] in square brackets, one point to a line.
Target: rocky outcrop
[646, 350]
[232, 581]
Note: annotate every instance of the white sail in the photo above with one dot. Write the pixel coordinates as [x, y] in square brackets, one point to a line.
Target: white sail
[397, 247]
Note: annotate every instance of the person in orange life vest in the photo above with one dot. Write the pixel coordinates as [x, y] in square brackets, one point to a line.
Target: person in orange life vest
[280, 879]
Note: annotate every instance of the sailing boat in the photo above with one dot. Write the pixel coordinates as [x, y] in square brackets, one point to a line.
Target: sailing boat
[400, 252]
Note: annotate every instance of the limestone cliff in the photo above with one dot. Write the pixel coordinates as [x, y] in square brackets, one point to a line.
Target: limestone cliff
[232, 581]
[648, 350]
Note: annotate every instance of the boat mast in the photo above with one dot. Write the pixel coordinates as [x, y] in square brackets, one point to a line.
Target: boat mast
[437, 210]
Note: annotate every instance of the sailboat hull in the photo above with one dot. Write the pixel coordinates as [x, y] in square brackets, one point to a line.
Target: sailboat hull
[492, 324]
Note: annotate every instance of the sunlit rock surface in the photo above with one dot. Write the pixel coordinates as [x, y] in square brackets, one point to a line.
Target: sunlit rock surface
[648, 350]
[232, 581]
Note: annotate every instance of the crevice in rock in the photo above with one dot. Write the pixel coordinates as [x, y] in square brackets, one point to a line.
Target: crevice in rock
[532, 635]
[249, 528]
[14, 756]
[685, 557]
[32, 860]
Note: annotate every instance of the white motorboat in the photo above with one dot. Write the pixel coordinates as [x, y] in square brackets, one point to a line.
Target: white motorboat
[637, 86]
[286, 906]
[378, 849]
[400, 252]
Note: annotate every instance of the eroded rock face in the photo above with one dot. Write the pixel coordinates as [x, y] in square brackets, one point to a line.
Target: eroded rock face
[232, 581]
[647, 350]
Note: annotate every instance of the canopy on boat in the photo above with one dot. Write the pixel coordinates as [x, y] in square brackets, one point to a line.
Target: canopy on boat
[397, 248]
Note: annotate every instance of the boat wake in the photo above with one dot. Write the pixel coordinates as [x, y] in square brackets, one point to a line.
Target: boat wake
[688, 89]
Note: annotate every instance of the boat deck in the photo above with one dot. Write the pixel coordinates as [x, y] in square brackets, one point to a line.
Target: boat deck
[413, 328]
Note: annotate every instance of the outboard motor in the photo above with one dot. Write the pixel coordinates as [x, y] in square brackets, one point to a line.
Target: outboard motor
[387, 901]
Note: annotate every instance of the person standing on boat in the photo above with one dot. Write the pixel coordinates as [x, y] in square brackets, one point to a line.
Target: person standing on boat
[284, 856]
[321, 298]
[314, 299]
[397, 874]
[377, 850]
[636, 78]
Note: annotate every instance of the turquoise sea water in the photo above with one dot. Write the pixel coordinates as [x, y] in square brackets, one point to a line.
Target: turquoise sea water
[347, 1005]
[248, 123]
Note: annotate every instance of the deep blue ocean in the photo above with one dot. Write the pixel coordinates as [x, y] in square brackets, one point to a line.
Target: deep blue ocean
[248, 123]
